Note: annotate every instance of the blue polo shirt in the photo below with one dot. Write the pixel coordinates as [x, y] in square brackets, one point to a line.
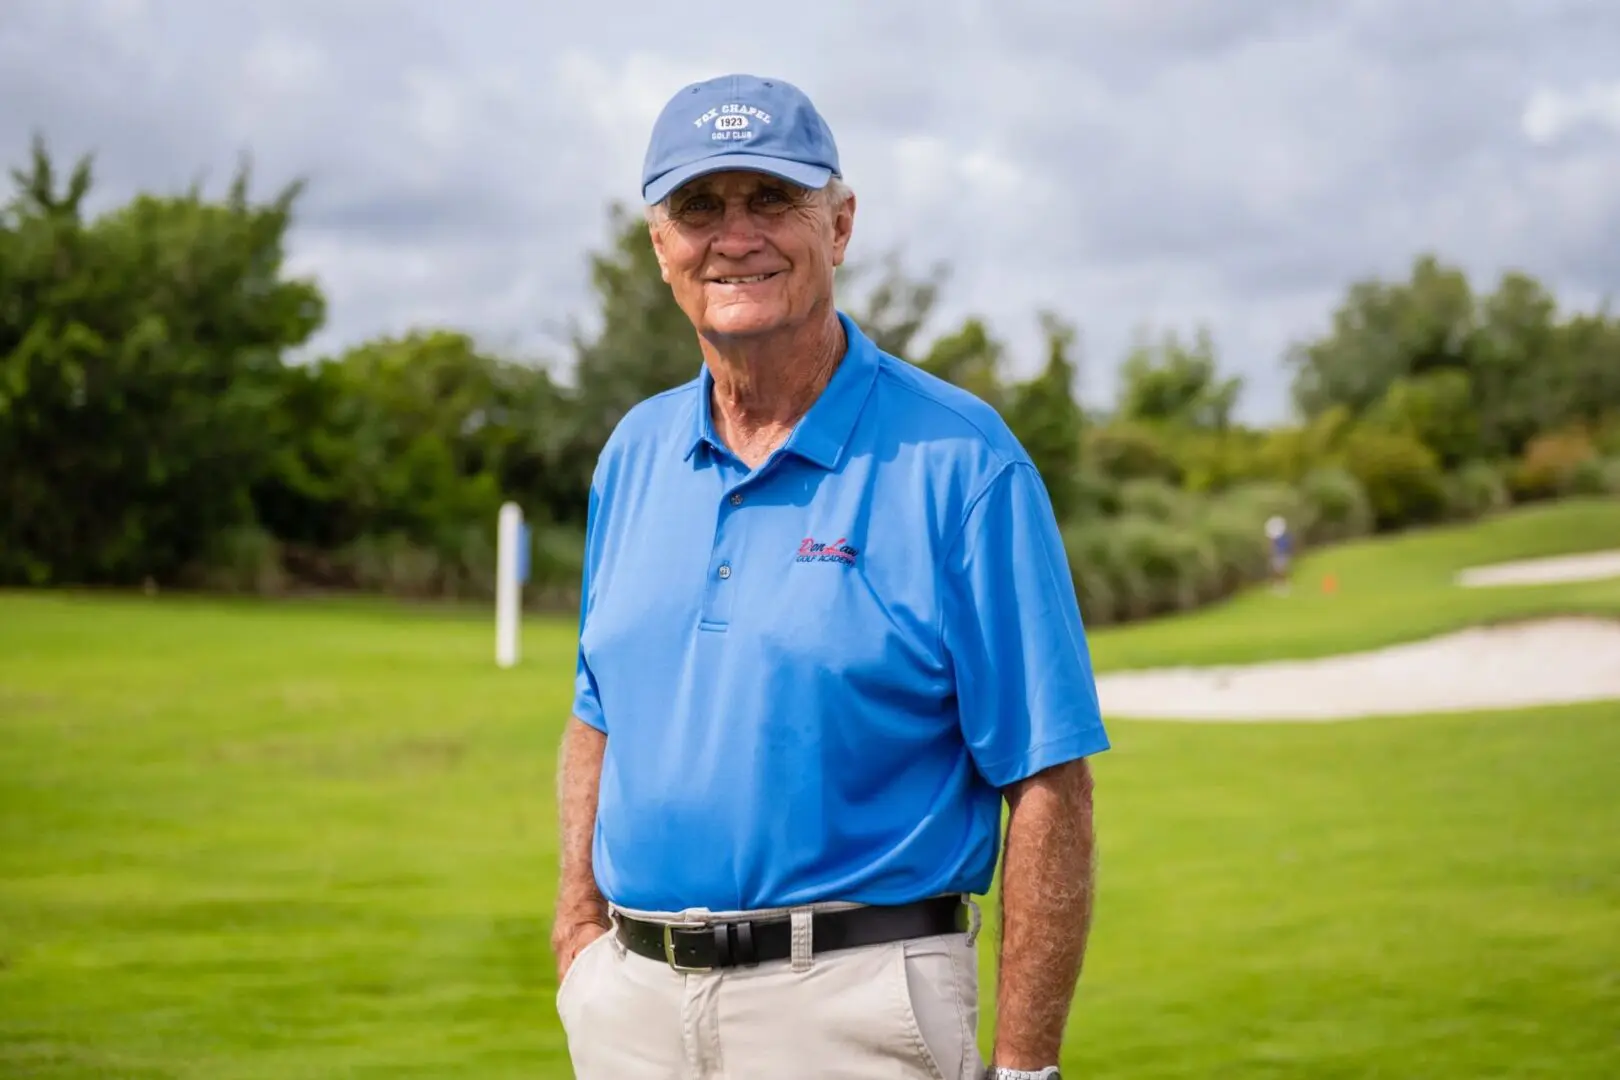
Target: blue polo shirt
[814, 676]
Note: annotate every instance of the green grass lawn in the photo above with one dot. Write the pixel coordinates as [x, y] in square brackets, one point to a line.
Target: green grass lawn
[310, 840]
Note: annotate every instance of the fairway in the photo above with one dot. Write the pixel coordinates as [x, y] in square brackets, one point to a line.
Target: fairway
[244, 840]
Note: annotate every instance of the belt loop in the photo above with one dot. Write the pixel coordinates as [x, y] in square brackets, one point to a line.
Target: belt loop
[802, 941]
[975, 918]
[617, 944]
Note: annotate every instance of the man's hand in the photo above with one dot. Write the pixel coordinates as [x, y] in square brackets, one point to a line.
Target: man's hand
[567, 942]
[1046, 897]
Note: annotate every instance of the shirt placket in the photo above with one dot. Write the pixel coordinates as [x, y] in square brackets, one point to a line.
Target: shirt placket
[726, 564]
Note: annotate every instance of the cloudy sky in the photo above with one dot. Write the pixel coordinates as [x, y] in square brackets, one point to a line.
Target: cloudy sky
[1124, 162]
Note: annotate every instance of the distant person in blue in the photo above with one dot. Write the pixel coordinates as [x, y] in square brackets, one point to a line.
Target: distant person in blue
[1282, 551]
[828, 632]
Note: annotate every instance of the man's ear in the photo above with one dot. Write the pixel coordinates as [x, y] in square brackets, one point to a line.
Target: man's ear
[658, 250]
[843, 228]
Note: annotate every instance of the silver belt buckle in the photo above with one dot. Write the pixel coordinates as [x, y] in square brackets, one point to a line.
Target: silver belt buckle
[669, 947]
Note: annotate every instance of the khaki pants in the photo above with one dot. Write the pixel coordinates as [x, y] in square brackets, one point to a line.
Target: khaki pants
[902, 1011]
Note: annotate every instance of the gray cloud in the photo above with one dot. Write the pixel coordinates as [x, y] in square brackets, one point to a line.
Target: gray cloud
[1124, 163]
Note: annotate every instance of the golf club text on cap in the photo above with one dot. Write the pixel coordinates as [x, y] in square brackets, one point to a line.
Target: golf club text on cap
[738, 122]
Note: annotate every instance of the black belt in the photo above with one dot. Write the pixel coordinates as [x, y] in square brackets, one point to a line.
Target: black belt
[703, 947]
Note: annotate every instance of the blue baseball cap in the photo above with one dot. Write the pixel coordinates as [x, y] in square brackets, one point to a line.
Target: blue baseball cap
[738, 122]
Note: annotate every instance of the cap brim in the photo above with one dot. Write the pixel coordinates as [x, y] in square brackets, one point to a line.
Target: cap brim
[794, 172]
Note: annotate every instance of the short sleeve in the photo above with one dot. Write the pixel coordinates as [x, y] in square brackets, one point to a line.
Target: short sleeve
[1012, 627]
[587, 702]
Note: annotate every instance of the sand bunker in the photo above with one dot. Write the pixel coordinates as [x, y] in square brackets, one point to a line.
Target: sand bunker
[1521, 665]
[1589, 567]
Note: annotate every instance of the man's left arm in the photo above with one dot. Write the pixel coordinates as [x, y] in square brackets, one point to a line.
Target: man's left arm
[1030, 716]
[1047, 885]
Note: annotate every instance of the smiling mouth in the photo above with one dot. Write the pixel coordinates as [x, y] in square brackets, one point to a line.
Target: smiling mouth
[746, 279]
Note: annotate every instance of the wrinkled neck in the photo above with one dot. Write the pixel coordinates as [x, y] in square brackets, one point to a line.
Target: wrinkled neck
[767, 385]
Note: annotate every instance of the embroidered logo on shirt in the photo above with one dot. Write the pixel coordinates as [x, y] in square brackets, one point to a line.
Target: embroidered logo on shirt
[839, 551]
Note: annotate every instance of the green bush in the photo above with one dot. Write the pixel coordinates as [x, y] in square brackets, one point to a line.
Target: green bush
[1130, 451]
[1262, 499]
[1178, 565]
[1401, 476]
[1550, 464]
[1213, 461]
[468, 558]
[1237, 533]
[1596, 476]
[394, 564]
[1101, 583]
[1336, 506]
[1436, 409]
[1476, 489]
[1135, 567]
[1288, 454]
[1280, 456]
[241, 560]
[1095, 494]
[556, 563]
[1166, 548]
[1606, 435]
[1158, 501]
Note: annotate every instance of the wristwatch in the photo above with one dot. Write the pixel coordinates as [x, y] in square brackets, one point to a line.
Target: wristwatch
[1001, 1072]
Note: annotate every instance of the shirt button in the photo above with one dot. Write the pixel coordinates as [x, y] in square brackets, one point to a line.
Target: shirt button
[736, 498]
[725, 571]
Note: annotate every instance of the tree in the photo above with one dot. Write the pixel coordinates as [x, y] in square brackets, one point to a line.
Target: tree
[1175, 382]
[894, 311]
[1436, 409]
[1045, 415]
[138, 353]
[405, 435]
[1526, 369]
[1519, 388]
[1587, 351]
[1382, 331]
[970, 358]
[643, 346]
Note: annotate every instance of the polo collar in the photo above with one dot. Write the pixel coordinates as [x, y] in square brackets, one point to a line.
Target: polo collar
[822, 433]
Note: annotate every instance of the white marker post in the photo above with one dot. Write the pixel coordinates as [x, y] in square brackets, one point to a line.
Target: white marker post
[511, 568]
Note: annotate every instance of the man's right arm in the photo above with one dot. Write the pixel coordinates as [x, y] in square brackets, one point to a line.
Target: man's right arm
[582, 911]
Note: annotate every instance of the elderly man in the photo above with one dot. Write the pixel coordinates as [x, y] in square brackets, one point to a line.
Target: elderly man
[828, 629]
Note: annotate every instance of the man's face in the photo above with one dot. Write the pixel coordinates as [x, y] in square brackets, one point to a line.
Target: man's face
[747, 254]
